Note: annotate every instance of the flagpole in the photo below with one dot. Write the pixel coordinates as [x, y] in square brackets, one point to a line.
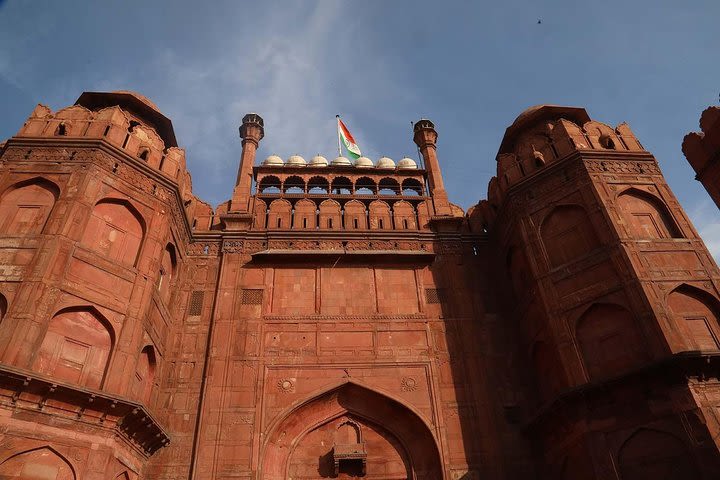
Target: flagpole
[337, 124]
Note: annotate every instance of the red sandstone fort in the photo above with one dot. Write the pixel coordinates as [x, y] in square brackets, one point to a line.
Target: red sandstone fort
[345, 320]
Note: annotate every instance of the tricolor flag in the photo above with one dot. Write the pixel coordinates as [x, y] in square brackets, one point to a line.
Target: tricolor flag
[346, 138]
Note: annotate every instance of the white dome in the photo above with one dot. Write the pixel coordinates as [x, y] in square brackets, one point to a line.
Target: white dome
[341, 162]
[407, 164]
[364, 162]
[319, 161]
[386, 162]
[273, 161]
[296, 161]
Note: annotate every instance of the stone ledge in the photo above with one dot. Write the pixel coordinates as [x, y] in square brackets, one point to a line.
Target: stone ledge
[26, 390]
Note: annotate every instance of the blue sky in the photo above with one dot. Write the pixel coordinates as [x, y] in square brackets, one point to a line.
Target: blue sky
[468, 66]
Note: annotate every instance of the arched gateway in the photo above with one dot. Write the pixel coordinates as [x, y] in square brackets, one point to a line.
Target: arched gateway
[347, 432]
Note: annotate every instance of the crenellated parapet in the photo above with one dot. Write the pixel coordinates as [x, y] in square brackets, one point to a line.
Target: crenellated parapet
[542, 136]
[702, 150]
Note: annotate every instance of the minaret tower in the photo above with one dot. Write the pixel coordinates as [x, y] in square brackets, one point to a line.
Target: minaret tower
[425, 138]
[251, 131]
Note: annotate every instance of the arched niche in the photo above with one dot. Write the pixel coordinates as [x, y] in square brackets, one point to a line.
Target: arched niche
[144, 377]
[302, 439]
[76, 347]
[646, 216]
[26, 206]
[305, 215]
[115, 230]
[39, 464]
[279, 214]
[567, 234]
[355, 215]
[168, 271]
[609, 340]
[649, 454]
[380, 215]
[330, 216]
[696, 314]
[404, 216]
[260, 215]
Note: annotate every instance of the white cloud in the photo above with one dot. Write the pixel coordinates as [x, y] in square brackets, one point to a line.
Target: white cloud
[706, 218]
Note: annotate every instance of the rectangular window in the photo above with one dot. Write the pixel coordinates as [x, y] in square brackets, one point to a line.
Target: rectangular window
[251, 296]
[196, 303]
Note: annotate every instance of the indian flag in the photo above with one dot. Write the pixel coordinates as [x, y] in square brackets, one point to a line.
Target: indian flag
[346, 138]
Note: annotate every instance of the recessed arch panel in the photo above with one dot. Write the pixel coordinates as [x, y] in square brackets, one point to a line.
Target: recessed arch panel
[39, 464]
[567, 234]
[115, 230]
[696, 314]
[650, 454]
[76, 347]
[26, 206]
[646, 216]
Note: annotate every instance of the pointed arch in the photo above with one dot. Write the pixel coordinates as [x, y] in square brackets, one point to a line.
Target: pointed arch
[269, 184]
[76, 347]
[412, 186]
[26, 465]
[144, 378]
[388, 186]
[645, 215]
[365, 186]
[318, 185]
[350, 399]
[26, 206]
[341, 186]
[116, 229]
[293, 185]
[650, 453]
[609, 340]
[567, 234]
[168, 271]
[697, 314]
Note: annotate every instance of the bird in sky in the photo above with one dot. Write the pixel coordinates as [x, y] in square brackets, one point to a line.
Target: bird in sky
[539, 21]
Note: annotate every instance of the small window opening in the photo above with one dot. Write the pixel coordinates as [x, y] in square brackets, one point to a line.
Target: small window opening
[115, 168]
[132, 125]
[330, 223]
[107, 130]
[61, 130]
[405, 224]
[194, 224]
[279, 222]
[355, 222]
[144, 155]
[304, 222]
[607, 142]
[206, 249]
[380, 222]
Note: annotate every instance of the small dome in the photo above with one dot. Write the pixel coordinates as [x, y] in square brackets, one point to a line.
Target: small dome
[386, 162]
[319, 161]
[273, 161]
[296, 161]
[407, 164]
[364, 162]
[341, 162]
